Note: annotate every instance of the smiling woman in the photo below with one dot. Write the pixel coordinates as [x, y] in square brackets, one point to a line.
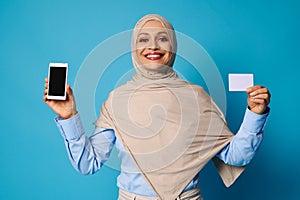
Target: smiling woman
[165, 128]
[153, 46]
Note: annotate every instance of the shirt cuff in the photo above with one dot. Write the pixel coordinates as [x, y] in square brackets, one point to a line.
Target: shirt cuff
[71, 128]
[253, 122]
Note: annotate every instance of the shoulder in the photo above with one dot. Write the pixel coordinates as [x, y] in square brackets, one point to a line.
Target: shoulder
[199, 90]
[119, 89]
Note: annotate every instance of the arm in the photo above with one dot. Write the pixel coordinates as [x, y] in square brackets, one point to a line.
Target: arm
[87, 155]
[246, 142]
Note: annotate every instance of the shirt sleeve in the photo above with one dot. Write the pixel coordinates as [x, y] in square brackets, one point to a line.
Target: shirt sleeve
[87, 154]
[245, 143]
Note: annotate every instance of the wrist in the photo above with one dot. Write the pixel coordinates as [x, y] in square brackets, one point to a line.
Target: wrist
[261, 112]
[69, 116]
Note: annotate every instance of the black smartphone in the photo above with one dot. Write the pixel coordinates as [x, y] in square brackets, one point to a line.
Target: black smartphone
[57, 81]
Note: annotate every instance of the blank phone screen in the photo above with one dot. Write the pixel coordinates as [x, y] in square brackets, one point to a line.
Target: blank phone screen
[57, 81]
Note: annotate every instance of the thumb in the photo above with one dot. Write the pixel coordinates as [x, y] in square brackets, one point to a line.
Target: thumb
[69, 90]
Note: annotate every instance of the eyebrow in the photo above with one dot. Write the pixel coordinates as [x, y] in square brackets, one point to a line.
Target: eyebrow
[162, 32]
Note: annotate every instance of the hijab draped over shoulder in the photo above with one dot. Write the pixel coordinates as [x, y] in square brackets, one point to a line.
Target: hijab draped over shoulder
[170, 127]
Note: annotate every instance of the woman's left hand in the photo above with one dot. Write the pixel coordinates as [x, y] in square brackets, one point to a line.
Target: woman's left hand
[258, 98]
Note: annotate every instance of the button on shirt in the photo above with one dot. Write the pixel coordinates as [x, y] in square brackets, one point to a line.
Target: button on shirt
[88, 154]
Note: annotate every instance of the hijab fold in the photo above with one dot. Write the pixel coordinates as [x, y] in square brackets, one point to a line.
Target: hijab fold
[170, 127]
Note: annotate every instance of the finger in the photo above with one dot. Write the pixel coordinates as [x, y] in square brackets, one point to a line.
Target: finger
[263, 97]
[259, 91]
[253, 88]
[45, 99]
[45, 91]
[46, 80]
[258, 101]
[260, 96]
[46, 85]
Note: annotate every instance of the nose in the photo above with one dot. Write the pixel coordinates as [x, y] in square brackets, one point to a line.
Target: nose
[153, 45]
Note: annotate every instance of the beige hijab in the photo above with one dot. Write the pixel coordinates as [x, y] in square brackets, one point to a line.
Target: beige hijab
[170, 127]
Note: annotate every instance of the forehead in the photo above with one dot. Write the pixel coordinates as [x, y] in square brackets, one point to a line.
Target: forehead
[152, 27]
[153, 24]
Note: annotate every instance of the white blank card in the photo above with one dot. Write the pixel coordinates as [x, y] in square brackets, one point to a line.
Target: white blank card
[239, 82]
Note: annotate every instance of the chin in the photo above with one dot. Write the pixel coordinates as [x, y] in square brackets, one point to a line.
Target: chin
[153, 66]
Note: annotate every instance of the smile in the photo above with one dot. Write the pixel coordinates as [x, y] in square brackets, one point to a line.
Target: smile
[154, 56]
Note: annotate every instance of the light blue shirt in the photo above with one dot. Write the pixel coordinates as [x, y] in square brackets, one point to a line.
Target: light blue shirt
[88, 154]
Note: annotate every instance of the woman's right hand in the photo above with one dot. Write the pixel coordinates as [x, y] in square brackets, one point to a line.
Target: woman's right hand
[64, 108]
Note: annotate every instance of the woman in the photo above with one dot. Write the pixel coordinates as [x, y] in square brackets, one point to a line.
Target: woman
[166, 129]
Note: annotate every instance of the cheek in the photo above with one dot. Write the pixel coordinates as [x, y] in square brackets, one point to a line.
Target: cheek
[167, 57]
[139, 54]
[141, 45]
[166, 46]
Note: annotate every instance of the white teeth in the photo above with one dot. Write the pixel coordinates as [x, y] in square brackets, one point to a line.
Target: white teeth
[153, 56]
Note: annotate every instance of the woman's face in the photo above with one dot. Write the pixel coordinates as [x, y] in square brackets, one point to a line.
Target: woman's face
[153, 45]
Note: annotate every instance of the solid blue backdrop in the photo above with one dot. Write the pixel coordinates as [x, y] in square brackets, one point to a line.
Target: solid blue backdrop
[260, 37]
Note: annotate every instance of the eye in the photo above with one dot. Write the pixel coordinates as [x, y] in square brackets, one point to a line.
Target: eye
[163, 39]
[143, 40]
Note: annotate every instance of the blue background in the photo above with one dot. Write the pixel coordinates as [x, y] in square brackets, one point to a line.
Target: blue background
[260, 37]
